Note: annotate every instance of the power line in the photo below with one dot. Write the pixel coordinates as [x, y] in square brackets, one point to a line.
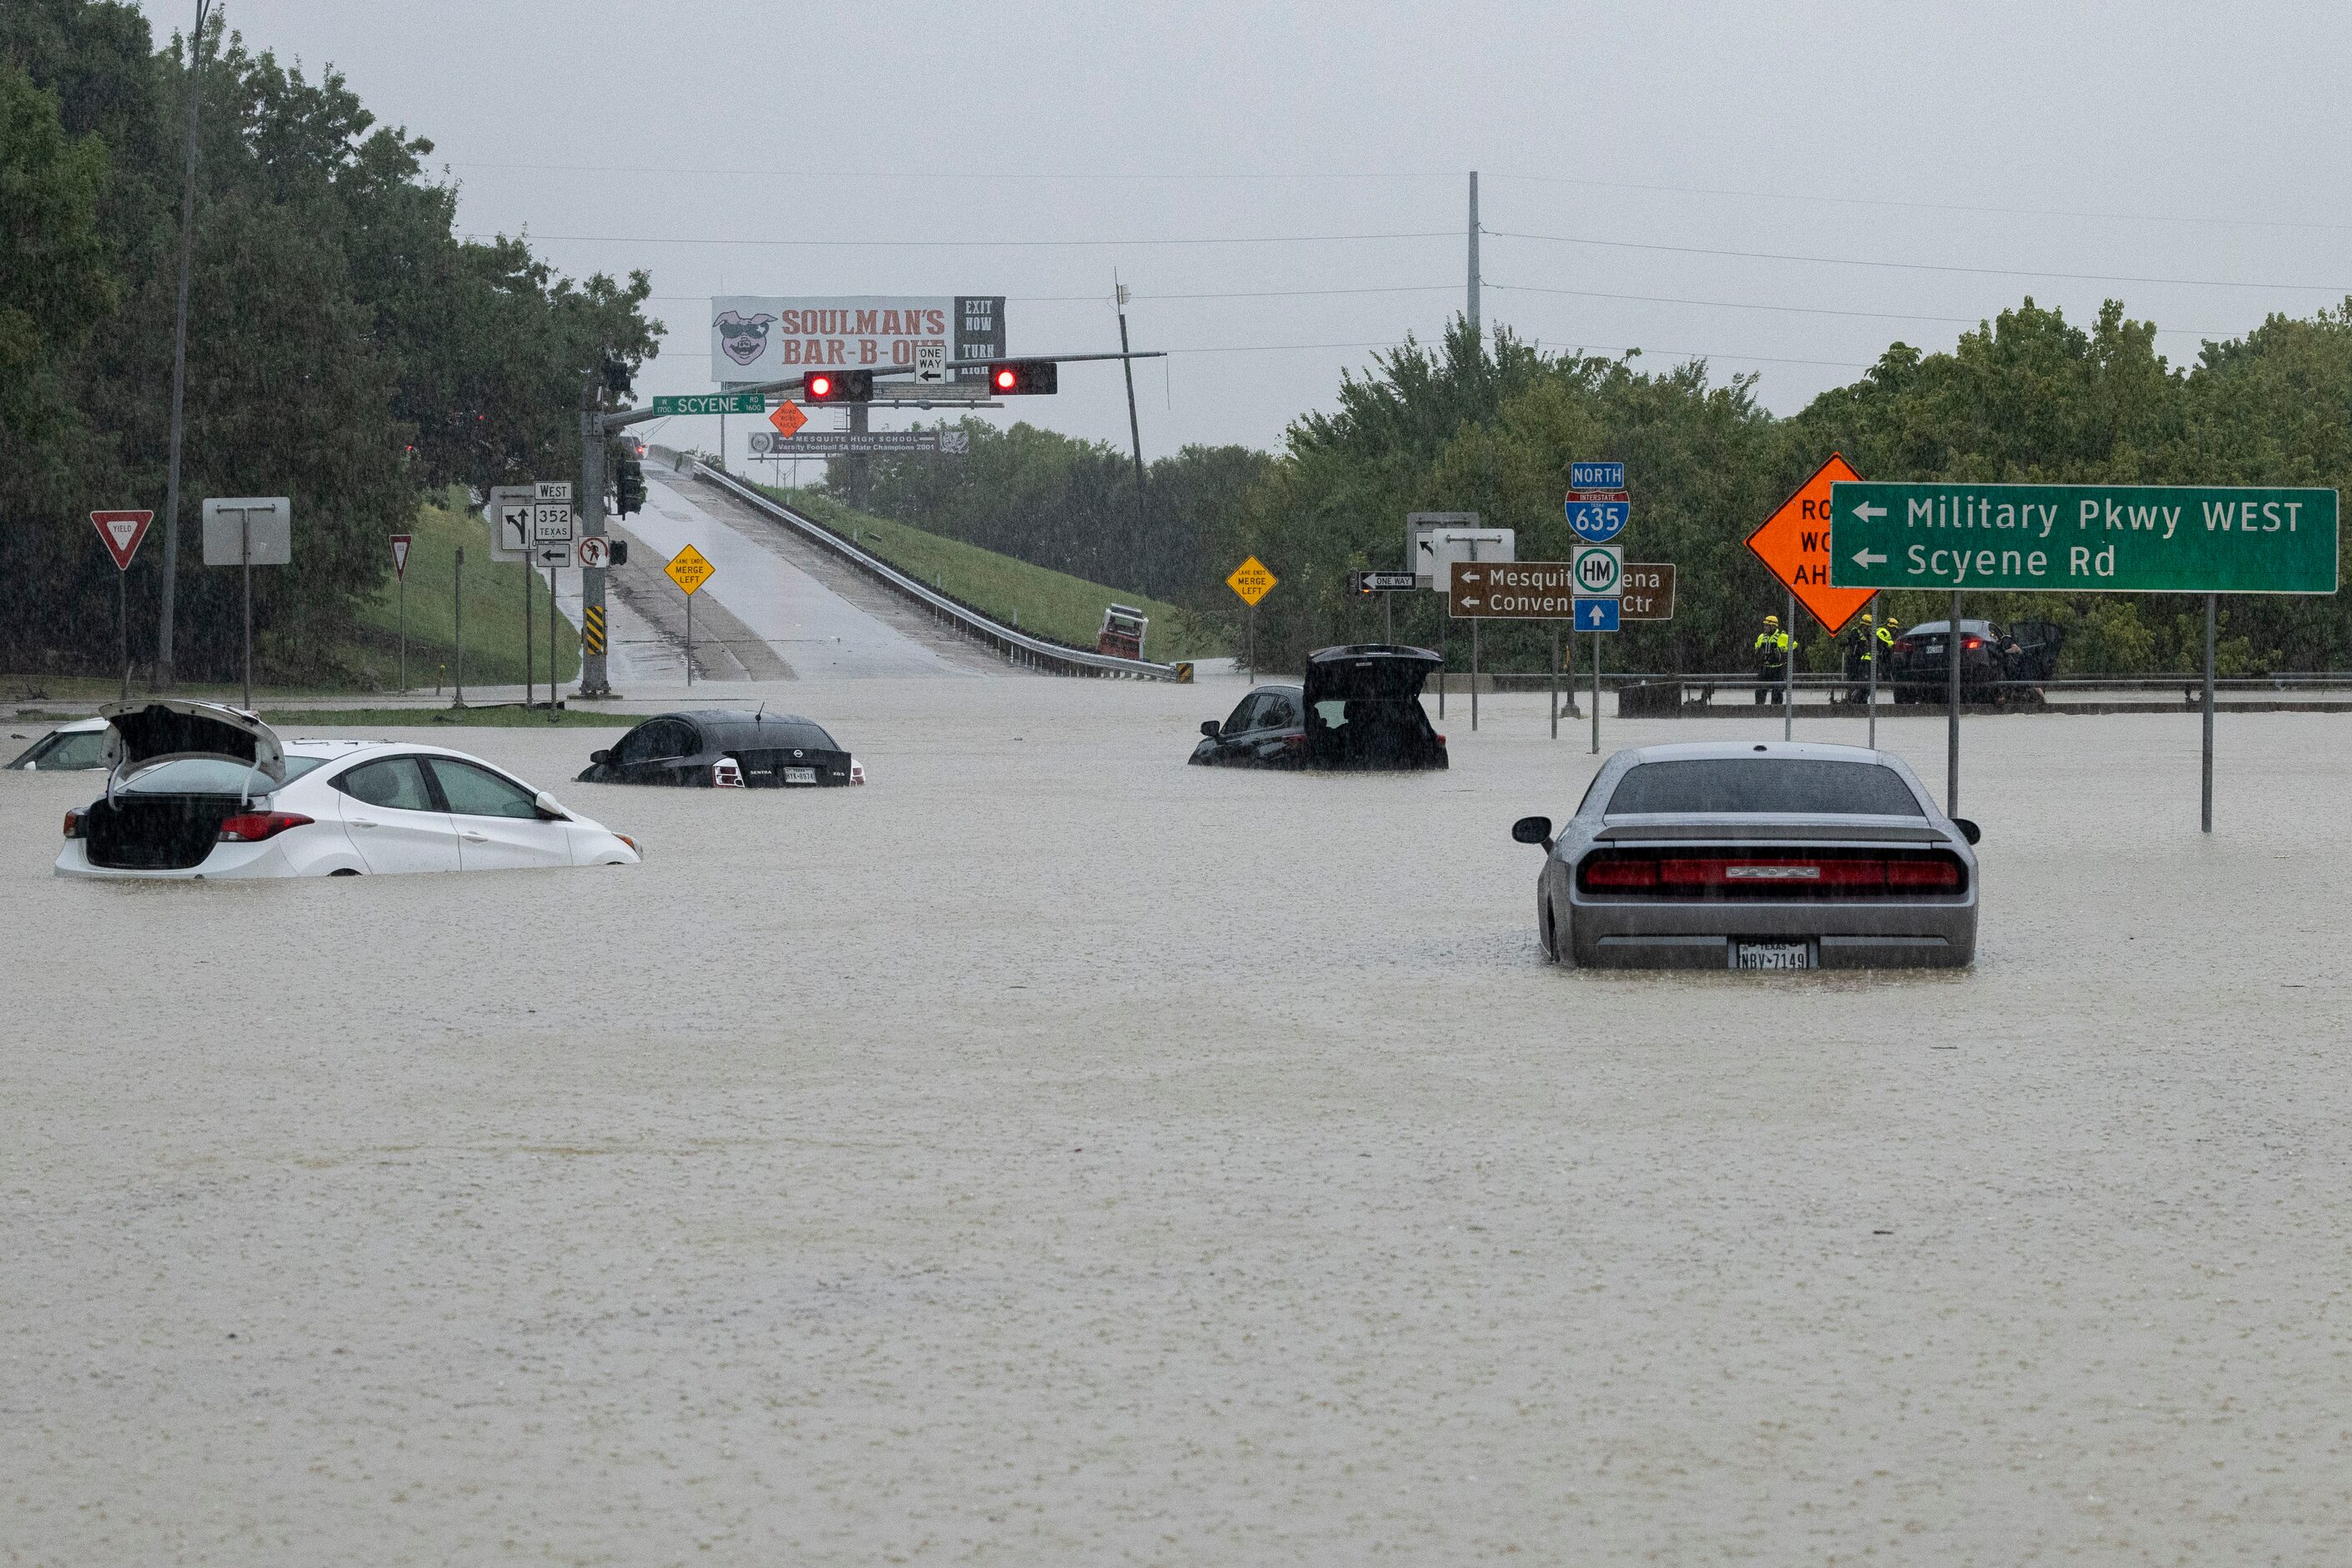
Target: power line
[1246, 294]
[969, 244]
[1818, 198]
[1785, 309]
[1916, 265]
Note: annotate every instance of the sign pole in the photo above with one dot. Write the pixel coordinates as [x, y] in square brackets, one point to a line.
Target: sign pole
[122, 633]
[529, 592]
[1387, 620]
[1473, 675]
[689, 639]
[244, 550]
[1445, 641]
[1952, 703]
[2208, 816]
[404, 631]
[1596, 694]
[1789, 674]
[457, 602]
[1870, 630]
[1552, 673]
[550, 643]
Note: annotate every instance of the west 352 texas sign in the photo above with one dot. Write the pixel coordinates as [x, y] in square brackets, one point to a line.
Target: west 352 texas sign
[2131, 538]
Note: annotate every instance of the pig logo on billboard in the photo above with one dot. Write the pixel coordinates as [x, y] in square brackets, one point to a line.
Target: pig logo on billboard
[743, 339]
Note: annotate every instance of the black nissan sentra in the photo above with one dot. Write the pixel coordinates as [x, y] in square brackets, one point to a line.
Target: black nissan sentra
[1358, 708]
[726, 747]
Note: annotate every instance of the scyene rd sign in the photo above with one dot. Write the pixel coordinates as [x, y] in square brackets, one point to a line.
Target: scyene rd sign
[2074, 538]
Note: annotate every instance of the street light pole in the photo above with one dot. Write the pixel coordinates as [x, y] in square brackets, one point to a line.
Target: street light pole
[193, 83]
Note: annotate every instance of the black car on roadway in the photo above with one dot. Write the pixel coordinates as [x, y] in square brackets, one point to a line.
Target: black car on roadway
[726, 747]
[1997, 665]
[1358, 708]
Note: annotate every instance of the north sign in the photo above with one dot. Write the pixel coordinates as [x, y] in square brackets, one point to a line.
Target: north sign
[713, 403]
[1596, 475]
[2074, 539]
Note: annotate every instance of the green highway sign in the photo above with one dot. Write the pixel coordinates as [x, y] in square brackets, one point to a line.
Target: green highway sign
[714, 403]
[2074, 539]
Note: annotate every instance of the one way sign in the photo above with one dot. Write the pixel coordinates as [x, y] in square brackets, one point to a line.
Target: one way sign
[1596, 615]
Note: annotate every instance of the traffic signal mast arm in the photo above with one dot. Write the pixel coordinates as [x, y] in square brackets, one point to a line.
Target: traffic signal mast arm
[1037, 359]
[620, 417]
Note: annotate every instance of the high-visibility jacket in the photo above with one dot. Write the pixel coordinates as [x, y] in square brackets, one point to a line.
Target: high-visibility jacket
[1868, 652]
[1773, 645]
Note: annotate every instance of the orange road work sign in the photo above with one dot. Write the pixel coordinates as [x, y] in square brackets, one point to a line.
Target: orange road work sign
[788, 417]
[1794, 545]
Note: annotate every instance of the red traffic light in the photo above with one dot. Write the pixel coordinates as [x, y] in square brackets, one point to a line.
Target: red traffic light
[1022, 377]
[839, 385]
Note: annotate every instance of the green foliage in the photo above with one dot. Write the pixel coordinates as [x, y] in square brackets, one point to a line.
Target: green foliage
[345, 347]
[1069, 505]
[1037, 598]
[494, 616]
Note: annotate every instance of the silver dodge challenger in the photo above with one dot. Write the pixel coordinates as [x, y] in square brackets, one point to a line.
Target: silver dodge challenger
[1752, 855]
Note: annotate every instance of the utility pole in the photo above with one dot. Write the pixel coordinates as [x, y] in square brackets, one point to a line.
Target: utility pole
[1473, 309]
[1134, 431]
[193, 83]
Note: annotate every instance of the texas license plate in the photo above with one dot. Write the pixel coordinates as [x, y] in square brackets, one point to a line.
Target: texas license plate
[1771, 956]
[800, 775]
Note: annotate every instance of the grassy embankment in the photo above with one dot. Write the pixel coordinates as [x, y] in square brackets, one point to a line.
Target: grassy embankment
[493, 595]
[1049, 603]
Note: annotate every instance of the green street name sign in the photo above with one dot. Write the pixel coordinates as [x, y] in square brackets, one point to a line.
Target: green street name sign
[714, 403]
[2074, 539]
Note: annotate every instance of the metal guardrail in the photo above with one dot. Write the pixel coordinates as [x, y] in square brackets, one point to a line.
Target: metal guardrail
[1018, 646]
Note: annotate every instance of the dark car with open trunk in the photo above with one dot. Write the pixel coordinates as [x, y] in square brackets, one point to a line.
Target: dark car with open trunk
[1357, 708]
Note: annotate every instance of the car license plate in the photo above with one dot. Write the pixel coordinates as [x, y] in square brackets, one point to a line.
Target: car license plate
[800, 775]
[1771, 956]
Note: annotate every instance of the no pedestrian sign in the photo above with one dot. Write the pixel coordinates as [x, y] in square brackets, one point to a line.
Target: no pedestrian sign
[689, 569]
[1252, 580]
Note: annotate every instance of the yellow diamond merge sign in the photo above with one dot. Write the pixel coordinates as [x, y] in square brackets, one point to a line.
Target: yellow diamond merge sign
[1252, 580]
[689, 569]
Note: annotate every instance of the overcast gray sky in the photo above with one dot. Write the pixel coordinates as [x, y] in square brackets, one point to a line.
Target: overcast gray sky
[1309, 162]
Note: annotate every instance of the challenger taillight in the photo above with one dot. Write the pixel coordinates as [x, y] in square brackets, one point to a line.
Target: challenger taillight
[253, 827]
[1726, 873]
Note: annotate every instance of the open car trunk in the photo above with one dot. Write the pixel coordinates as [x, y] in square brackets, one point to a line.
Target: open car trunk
[165, 830]
[1364, 709]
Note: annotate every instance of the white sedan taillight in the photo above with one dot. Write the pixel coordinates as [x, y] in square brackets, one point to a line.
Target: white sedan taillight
[857, 771]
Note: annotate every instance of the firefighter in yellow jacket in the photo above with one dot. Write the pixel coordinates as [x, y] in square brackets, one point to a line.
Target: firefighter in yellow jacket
[1773, 650]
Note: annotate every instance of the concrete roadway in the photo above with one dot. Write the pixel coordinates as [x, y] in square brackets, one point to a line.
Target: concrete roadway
[803, 615]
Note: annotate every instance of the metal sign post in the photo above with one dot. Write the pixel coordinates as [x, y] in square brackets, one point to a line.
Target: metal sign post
[121, 532]
[1952, 724]
[1788, 674]
[1474, 673]
[399, 543]
[551, 643]
[2206, 812]
[1251, 582]
[1596, 694]
[457, 603]
[1552, 672]
[689, 569]
[530, 592]
[1870, 629]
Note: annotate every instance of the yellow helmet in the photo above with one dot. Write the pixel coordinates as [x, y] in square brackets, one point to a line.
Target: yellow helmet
[1771, 620]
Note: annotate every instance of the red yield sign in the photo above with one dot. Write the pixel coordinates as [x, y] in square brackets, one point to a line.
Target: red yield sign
[121, 532]
[1794, 545]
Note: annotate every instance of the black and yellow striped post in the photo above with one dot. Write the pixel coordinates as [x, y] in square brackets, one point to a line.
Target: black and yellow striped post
[591, 628]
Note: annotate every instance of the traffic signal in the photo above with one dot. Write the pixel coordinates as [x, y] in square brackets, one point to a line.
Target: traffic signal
[616, 375]
[1013, 377]
[616, 553]
[629, 485]
[838, 387]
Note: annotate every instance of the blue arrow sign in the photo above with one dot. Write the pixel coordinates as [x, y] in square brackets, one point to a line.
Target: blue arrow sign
[1597, 521]
[1596, 615]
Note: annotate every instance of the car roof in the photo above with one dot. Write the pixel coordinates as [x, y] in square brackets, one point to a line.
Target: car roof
[731, 716]
[1811, 751]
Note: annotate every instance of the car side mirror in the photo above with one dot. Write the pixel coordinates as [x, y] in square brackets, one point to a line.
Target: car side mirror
[549, 808]
[1969, 830]
[1533, 830]
[601, 757]
[1210, 727]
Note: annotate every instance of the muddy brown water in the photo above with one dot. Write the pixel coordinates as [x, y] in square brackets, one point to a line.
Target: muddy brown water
[1053, 1153]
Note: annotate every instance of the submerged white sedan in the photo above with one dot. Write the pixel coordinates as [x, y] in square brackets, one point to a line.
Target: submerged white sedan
[195, 790]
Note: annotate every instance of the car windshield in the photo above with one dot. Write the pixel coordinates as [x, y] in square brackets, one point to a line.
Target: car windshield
[212, 776]
[1719, 785]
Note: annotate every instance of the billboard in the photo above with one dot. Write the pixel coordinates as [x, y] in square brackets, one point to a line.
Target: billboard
[759, 337]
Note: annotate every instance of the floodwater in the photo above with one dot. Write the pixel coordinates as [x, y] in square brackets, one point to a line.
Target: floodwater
[1051, 1153]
